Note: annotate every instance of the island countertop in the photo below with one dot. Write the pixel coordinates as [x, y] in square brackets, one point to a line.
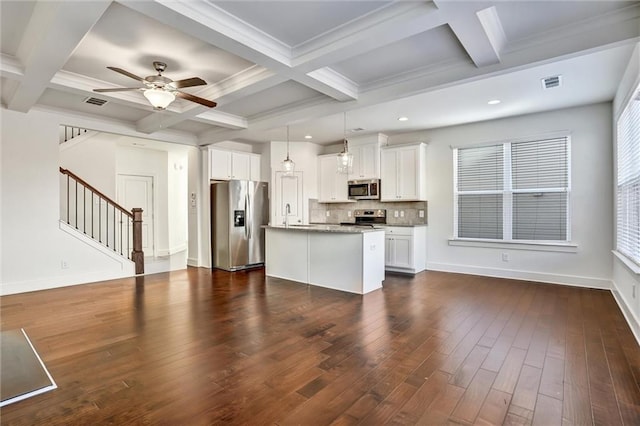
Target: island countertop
[338, 229]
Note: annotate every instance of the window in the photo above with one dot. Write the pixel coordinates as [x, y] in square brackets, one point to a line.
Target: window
[628, 182]
[513, 191]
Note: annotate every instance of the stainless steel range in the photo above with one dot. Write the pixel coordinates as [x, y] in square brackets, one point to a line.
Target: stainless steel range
[368, 218]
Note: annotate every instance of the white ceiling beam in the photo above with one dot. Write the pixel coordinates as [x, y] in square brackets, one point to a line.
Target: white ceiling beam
[480, 33]
[53, 32]
[163, 119]
[394, 23]
[10, 67]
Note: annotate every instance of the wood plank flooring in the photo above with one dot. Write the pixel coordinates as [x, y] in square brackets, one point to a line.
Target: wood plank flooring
[201, 347]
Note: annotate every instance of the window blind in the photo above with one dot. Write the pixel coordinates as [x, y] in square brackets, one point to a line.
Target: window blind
[628, 182]
[513, 191]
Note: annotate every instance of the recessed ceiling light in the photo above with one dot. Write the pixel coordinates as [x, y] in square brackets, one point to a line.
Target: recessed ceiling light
[403, 118]
[494, 102]
[308, 137]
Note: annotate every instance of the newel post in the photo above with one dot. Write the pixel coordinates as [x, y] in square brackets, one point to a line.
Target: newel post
[137, 255]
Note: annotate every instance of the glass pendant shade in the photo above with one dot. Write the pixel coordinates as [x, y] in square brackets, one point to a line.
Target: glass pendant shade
[288, 166]
[159, 98]
[345, 158]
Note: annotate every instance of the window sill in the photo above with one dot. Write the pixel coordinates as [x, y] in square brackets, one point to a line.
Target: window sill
[531, 246]
[630, 264]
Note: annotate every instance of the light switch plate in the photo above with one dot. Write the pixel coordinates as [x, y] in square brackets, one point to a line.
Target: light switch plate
[328, 213]
[401, 213]
[420, 213]
[395, 213]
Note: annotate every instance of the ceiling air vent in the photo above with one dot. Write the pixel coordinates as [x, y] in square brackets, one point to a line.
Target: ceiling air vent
[95, 101]
[551, 82]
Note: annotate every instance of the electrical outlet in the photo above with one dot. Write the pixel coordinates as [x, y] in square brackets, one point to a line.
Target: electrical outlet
[505, 257]
[328, 213]
[395, 213]
[420, 213]
[64, 264]
[401, 213]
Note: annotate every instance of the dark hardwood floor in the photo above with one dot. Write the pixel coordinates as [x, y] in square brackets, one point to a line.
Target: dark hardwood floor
[199, 347]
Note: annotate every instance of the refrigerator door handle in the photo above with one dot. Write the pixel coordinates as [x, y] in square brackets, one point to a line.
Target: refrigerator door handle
[246, 216]
[250, 215]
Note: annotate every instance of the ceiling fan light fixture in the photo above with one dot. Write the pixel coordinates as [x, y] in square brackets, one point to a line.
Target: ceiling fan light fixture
[159, 98]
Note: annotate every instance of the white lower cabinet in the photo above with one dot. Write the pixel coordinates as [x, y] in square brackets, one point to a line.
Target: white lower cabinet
[405, 248]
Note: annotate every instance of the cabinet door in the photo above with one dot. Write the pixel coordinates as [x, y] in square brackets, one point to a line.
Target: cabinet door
[288, 190]
[255, 169]
[407, 171]
[219, 164]
[240, 166]
[332, 186]
[403, 253]
[369, 161]
[389, 176]
[389, 250]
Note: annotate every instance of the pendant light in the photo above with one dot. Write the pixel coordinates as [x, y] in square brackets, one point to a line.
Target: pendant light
[288, 166]
[345, 158]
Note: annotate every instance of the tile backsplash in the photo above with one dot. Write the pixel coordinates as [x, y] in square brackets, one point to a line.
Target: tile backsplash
[343, 212]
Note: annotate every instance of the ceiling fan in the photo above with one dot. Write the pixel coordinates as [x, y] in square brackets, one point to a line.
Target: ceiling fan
[160, 90]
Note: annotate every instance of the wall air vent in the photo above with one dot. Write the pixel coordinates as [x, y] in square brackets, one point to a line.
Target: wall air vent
[95, 101]
[551, 82]
[357, 129]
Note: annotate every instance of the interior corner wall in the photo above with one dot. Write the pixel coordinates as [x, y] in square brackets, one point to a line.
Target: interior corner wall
[178, 198]
[591, 198]
[194, 214]
[626, 283]
[33, 245]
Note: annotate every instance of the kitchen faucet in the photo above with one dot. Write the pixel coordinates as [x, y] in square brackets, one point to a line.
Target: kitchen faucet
[287, 212]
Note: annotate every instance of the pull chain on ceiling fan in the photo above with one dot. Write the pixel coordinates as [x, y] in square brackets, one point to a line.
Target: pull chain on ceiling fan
[160, 90]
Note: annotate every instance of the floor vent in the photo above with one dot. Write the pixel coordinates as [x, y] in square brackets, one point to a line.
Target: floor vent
[551, 82]
[95, 101]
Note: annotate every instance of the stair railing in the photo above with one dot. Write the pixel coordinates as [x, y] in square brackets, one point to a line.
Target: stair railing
[70, 132]
[93, 213]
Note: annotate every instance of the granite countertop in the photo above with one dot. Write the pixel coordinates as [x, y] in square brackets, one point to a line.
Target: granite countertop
[331, 228]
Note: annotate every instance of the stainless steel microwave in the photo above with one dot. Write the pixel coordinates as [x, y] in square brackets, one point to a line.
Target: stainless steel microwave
[368, 189]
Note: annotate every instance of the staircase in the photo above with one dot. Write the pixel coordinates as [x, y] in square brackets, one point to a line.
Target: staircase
[97, 216]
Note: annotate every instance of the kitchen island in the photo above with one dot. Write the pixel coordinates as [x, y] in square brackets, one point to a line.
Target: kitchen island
[346, 258]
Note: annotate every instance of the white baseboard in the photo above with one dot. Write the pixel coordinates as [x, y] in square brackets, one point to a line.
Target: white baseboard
[192, 261]
[571, 280]
[625, 307]
[62, 281]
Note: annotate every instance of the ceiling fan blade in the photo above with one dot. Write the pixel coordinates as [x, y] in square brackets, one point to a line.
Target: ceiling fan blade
[188, 82]
[195, 99]
[127, 73]
[118, 89]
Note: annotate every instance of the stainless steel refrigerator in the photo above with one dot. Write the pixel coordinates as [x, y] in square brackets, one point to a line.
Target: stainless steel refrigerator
[239, 208]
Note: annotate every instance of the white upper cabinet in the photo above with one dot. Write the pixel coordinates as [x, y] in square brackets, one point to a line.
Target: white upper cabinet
[227, 165]
[403, 171]
[332, 186]
[366, 156]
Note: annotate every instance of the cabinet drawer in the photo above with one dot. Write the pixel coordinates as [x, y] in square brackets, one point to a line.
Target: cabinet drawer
[398, 230]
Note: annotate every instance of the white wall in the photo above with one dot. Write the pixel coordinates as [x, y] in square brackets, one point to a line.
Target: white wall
[591, 198]
[93, 158]
[33, 245]
[626, 281]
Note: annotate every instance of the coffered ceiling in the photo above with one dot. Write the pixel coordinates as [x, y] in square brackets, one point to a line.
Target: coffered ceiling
[269, 64]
